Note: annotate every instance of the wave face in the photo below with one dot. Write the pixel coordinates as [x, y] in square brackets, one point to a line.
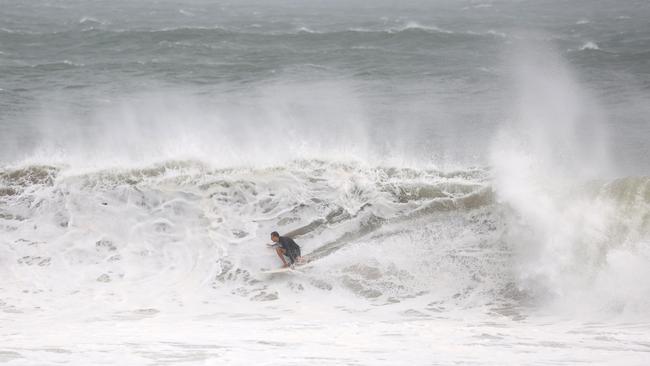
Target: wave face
[179, 227]
[181, 231]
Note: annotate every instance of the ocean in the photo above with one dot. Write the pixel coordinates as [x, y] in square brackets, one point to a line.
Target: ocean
[469, 179]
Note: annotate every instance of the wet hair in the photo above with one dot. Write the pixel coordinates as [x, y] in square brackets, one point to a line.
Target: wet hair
[275, 233]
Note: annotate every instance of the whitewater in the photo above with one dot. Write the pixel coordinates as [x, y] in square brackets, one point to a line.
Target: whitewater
[469, 180]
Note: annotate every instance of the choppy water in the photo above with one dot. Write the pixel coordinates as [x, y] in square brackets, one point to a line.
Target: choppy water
[469, 178]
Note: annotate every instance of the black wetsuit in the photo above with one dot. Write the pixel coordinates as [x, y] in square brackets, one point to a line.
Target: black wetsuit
[291, 249]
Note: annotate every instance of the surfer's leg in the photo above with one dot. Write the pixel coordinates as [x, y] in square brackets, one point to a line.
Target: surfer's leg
[280, 252]
[294, 256]
[297, 258]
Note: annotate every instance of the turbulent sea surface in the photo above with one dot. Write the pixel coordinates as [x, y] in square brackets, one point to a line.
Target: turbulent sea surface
[470, 179]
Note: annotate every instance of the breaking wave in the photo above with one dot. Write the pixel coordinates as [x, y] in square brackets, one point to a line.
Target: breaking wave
[181, 231]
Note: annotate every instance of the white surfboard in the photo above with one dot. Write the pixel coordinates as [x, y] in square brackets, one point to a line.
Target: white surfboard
[277, 270]
[296, 268]
[305, 262]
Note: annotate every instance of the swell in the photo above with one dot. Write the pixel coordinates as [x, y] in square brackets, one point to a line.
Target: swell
[106, 37]
[385, 234]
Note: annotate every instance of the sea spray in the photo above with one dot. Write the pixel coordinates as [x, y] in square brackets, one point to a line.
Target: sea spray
[272, 124]
[544, 160]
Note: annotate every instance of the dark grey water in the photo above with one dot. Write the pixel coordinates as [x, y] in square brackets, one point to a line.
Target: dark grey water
[431, 80]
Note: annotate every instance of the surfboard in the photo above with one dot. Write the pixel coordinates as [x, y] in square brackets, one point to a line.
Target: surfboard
[277, 270]
[295, 268]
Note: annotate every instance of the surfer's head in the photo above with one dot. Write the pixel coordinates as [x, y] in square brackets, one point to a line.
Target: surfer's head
[275, 236]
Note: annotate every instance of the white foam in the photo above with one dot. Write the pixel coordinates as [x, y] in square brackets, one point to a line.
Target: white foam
[411, 25]
[306, 30]
[186, 12]
[590, 46]
[92, 20]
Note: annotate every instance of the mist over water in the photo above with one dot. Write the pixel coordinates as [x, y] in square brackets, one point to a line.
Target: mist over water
[469, 179]
[279, 123]
[549, 164]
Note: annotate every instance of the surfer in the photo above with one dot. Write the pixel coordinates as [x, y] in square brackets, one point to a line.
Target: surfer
[285, 246]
